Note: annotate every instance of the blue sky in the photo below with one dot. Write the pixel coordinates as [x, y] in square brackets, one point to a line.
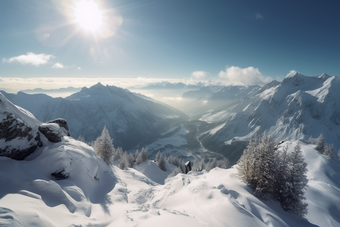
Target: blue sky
[238, 42]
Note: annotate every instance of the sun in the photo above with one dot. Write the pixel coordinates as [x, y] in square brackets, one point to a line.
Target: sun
[88, 15]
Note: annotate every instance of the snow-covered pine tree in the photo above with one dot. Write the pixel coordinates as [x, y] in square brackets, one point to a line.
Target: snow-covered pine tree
[160, 159]
[103, 146]
[328, 151]
[247, 165]
[118, 154]
[297, 182]
[266, 173]
[320, 146]
[158, 155]
[281, 179]
[211, 164]
[130, 159]
[123, 161]
[142, 156]
[198, 166]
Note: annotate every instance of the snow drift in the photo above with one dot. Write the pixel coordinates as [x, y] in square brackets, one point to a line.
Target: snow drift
[97, 195]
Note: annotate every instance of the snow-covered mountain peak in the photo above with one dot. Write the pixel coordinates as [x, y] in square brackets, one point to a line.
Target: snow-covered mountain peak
[323, 76]
[292, 74]
[294, 78]
[100, 92]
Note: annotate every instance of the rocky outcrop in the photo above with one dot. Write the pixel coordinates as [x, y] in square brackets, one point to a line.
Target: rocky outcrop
[51, 131]
[62, 175]
[19, 136]
[62, 124]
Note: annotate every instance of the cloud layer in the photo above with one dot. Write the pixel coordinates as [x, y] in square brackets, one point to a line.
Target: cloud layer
[198, 75]
[30, 58]
[58, 66]
[248, 76]
[231, 76]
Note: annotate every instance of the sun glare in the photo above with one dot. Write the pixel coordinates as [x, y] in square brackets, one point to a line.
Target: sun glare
[89, 16]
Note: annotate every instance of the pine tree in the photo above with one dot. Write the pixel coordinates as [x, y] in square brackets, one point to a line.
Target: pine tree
[328, 151]
[130, 159]
[123, 161]
[142, 156]
[118, 154]
[297, 183]
[211, 164]
[266, 168]
[103, 146]
[247, 165]
[281, 180]
[160, 159]
[320, 144]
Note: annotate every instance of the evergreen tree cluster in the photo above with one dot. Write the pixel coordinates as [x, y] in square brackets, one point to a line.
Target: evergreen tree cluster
[275, 174]
[324, 148]
[104, 148]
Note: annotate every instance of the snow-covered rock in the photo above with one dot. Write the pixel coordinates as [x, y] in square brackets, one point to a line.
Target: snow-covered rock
[19, 135]
[62, 124]
[51, 131]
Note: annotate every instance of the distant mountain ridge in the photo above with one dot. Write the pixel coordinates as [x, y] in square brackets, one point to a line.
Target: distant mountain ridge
[41, 90]
[168, 85]
[130, 119]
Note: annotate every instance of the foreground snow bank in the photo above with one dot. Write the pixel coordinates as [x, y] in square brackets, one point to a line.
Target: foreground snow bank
[97, 195]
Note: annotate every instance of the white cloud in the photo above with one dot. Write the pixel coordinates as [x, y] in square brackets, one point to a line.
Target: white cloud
[30, 58]
[58, 66]
[247, 76]
[259, 16]
[79, 68]
[198, 75]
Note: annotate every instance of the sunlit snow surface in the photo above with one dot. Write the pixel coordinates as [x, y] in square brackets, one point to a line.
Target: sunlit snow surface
[98, 195]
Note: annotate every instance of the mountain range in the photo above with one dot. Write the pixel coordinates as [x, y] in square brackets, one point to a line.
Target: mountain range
[299, 107]
[130, 118]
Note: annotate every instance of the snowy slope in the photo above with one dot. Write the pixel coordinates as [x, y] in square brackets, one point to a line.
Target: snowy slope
[130, 119]
[29, 196]
[296, 108]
